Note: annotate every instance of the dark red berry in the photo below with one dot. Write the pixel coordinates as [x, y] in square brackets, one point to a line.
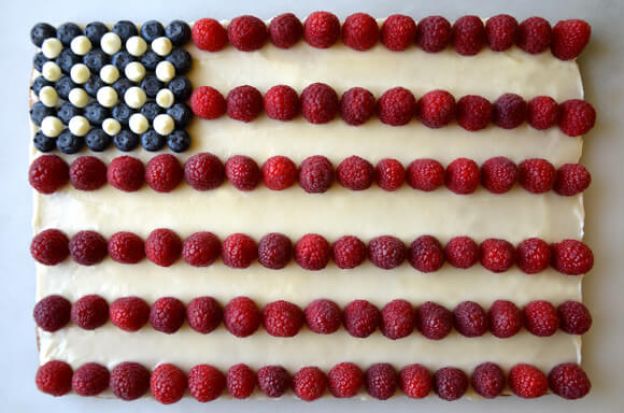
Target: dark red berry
[247, 33]
[204, 314]
[163, 173]
[319, 103]
[129, 313]
[536, 175]
[571, 179]
[242, 172]
[534, 35]
[52, 313]
[540, 318]
[241, 381]
[569, 38]
[274, 250]
[167, 315]
[279, 173]
[201, 249]
[397, 319]
[273, 381]
[386, 252]
[425, 174]
[355, 173]
[390, 174]
[542, 112]
[241, 316]
[568, 380]
[473, 112]
[54, 378]
[205, 382]
[398, 32]
[239, 251]
[461, 252]
[361, 318]
[312, 252]
[504, 319]
[509, 111]
[321, 29]
[397, 106]
[433, 33]
[90, 379]
[468, 35]
[349, 252]
[316, 174]
[488, 380]
[360, 31]
[126, 173]
[533, 255]
[244, 103]
[90, 312]
[88, 247]
[163, 247]
[323, 316]
[574, 317]
[436, 108]
[204, 171]
[576, 117]
[48, 173]
[126, 247]
[501, 32]
[572, 257]
[50, 247]
[497, 255]
[209, 34]
[381, 381]
[282, 318]
[281, 102]
[462, 176]
[499, 174]
[309, 383]
[285, 30]
[357, 105]
[129, 381]
[434, 321]
[470, 319]
[87, 173]
[426, 254]
[450, 383]
[345, 380]
[168, 383]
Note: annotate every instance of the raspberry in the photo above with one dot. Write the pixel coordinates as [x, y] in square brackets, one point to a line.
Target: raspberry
[355, 173]
[205, 382]
[163, 247]
[244, 103]
[87, 173]
[282, 319]
[397, 319]
[488, 380]
[52, 313]
[509, 111]
[90, 379]
[416, 381]
[168, 383]
[462, 176]
[499, 174]
[319, 103]
[576, 117]
[501, 32]
[426, 254]
[360, 31]
[201, 249]
[540, 318]
[398, 32]
[321, 29]
[425, 174]
[50, 247]
[247, 33]
[436, 108]
[312, 252]
[533, 255]
[542, 112]
[433, 33]
[468, 35]
[450, 383]
[239, 251]
[48, 173]
[241, 316]
[386, 252]
[349, 252]
[163, 173]
[397, 106]
[207, 103]
[316, 174]
[574, 317]
[571, 179]
[569, 381]
[126, 247]
[281, 102]
[126, 173]
[129, 381]
[390, 174]
[242, 172]
[274, 251]
[536, 175]
[323, 316]
[129, 313]
[505, 319]
[569, 38]
[167, 315]
[274, 381]
[473, 112]
[527, 381]
[461, 252]
[434, 321]
[279, 173]
[204, 171]
[309, 383]
[88, 247]
[470, 319]
[204, 314]
[381, 381]
[54, 378]
[90, 312]
[345, 380]
[241, 381]
[534, 35]
[357, 105]
[285, 30]
[208, 34]
[361, 318]
[497, 255]
[572, 257]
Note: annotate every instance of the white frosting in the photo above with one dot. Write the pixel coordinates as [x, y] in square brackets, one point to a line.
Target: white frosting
[135, 97]
[135, 71]
[109, 74]
[78, 97]
[110, 43]
[80, 73]
[138, 123]
[51, 126]
[111, 126]
[165, 71]
[165, 98]
[48, 96]
[107, 96]
[163, 124]
[79, 126]
[51, 48]
[80, 45]
[136, 46]
[51, 71]
[162, 46]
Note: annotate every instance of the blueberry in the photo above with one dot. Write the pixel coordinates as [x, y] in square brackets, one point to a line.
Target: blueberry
[152, 141]
[181, 114]
[43, 143]
[67, 31]
[121, 59]
[126, 140]
[94, 84]
[38, 61]
[68, 111]
[39, 83]
[68, 143]
[178, 32]
[40, 32]
[122, 113]
[180, 59]
[63, 86]
[181, 88]
[40, 111]
[121, 86]
[179, 141]
[125, 29]
[95, 59]
[66, 60]
[150, 110]
[151, 85]
[152, 30]
[150, 60]
[96, 113]
[97, 140]
[94, 31]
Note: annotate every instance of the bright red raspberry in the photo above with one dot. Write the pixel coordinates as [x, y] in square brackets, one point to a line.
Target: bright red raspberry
[381, 381]
[505, 319]
[90, 379]
[462, 176]
[129, 313]
[361, 318]
[386, 252]
[488, 380]
[281, 102]
[52, 313]
[48, 173]
[450, 383]
[416, 381]
[244, 103]
[436, 108]
[201, 249]
[461, 252]
[205, 382]
[540, 318]
[204, 171]
[167, 315]
[273, 381]
[316, 174]
[54, 378]
[576, 117]
[569, 38]
[90, 312]
[168, 383]
[501, 32]
[242, 172]
[279, 173]
[542, 112]
[241, 381]
[239, 251]
[509, 111]
[87, 173]
[473, 112]
[285, 30]
[345, 380]
[569, 380]
[360, 31]
[129, 381]
[398, 32]
[209, 34]
[126, 173]
[571, 179]
[468, 35]
[536, 175]
[312, 252]
[533, 255]
[163, 247]
[499, 174]
[572, 257]
[426, 254]
[207, 103]
[241, 316]
[433, 33]
[282, 319]
[397, 319]
[323, 316]
[88, 247]
[309, 383]
[204, 314]
[247, 33]
[497, 255]
[534, 35]
[434, 321]
[274, 250]
[397, 106]
[126, 247]
[527, 381]
[163, 173]
[349, 252]
[425, 174]
[470, 319]
[49, 247]
[574, 317]
[357, 105]
[390, 174]
[355, 173]
[319, 103]
[321, 29]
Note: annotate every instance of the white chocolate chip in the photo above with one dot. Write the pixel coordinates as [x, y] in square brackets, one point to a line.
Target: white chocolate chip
[109, 74]
[107, 96]
[51, 126]
[78, 97]
[136, 46]
[48, 96]
[135, 71]
[80, 73]
[163, 124]
[135, 97]
[165, 71]
[51, 71]
[111, 126]
[162, 46]
[79, 126]
[81, 45]
[138, 123]
[110, 43]
[51, 48]
[165, 98]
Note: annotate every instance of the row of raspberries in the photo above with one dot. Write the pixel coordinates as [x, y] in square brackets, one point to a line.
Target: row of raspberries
[316, 174]
[312, 252]
[242, 317]
[168, 383]
[319, 103]
[360, 31]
